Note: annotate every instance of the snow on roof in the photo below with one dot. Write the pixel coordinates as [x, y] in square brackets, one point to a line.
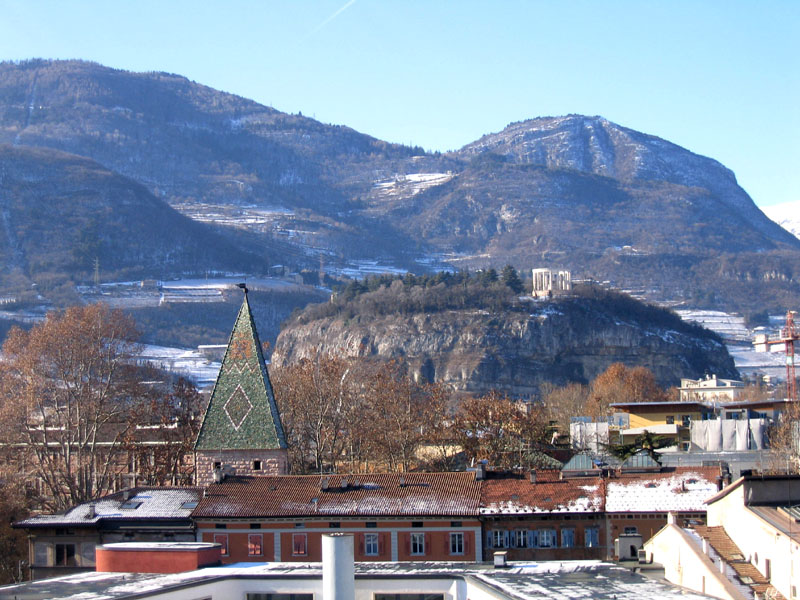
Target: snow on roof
[684, 489]
[141, 504]
[677, 489]
[566, 579]
[343, 495]
[550, 494]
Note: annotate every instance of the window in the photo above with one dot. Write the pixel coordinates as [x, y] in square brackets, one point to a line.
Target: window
[255, 544]
[371, 524]
[41, 554]
[568, 537]
[631, 531]
[217, 465]
[65, 555]
[498, 538]
[256, 465]
[547, 538]
[371, 544]
[455, 523]
[670, 420]
[222, 540]
[519, 538]
[87, 554]
[334, 525]
[686, 420]
[591, 537]
[417, 544]
[299, 544]
[457, 543]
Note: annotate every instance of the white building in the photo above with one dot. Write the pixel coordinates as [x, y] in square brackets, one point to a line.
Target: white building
[710, 389]
[547, 282]
[750, 547]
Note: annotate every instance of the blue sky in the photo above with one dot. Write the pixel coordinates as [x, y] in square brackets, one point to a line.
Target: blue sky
[721, 78]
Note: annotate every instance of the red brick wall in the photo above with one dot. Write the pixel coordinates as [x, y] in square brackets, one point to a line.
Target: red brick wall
[154, 561]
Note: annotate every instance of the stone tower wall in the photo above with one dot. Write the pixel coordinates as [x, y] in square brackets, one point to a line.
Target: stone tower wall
[273, 462]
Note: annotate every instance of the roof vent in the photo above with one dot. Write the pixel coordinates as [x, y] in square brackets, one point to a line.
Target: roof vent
[344, 483]
[533, 476]
[126, 494]
[92, 512]
[402, 481]
[219, 475]
[324, 483]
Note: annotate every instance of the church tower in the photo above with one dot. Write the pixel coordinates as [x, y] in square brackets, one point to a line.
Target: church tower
[242, 427]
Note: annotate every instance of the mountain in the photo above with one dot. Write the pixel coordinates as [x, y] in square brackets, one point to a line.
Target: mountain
[787, 215]
[515, 348]
[61, 212]
[597, 146]
[582, 193]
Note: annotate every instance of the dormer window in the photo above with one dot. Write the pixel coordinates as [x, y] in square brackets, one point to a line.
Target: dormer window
[256, 465]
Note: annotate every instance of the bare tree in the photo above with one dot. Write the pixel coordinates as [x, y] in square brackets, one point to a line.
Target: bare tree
[160, 443]
[66, 387]
[317, 397]
[495, 429]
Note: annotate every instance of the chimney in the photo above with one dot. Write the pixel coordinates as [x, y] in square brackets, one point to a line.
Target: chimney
[324, 483]
[533, 476]
[92, 512]
[126, 494]
[480, 472]
[218, 475]
[402, 481]
[338, 567]
[344, 483]
[705, 546]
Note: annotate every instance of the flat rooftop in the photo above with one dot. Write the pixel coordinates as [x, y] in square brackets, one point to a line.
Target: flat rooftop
[520, 581]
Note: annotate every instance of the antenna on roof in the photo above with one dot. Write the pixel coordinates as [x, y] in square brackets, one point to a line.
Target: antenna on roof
[243, 286]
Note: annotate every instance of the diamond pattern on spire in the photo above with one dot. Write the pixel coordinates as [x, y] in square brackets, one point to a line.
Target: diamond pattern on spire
[238, 407]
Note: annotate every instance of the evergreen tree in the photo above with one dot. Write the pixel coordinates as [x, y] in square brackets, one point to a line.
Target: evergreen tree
[510, 278]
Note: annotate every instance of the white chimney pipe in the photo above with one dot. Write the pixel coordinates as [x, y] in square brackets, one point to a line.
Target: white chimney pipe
[338, 567]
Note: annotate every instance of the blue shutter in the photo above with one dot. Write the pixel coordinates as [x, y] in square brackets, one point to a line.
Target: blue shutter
[505, 539]
[534, 539]
[489, 539]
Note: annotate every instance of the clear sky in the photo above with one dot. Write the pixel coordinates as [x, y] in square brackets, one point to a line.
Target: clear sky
[721, 78]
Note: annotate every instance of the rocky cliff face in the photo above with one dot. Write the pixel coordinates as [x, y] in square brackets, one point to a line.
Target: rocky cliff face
[475, 351]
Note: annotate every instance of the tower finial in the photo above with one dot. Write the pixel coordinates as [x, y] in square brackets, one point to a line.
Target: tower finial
[243, 286]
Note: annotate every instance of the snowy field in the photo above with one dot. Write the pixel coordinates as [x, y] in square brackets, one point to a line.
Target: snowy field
[739, 340]
[190, 364]
[410, 184]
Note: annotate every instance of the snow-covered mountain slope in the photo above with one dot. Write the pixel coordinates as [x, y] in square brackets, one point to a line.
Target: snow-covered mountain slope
[786, 214]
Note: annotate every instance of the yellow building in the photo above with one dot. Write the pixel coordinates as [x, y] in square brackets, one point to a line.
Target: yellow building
[668, 419]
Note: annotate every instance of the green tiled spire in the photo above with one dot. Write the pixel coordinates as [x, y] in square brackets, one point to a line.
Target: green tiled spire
[242, 413]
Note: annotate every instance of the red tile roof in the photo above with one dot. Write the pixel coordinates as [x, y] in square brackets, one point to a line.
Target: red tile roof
[675, 489]
[515, 495]
[731, 554]
[410, 494]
